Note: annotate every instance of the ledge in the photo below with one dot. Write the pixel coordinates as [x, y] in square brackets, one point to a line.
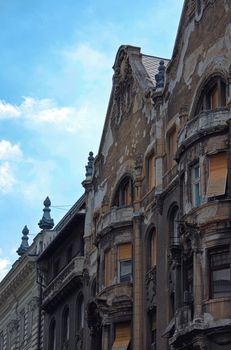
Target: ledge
[114, 218]
[203, 124]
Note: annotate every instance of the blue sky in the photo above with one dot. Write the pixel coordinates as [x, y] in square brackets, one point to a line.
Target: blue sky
[55, 80]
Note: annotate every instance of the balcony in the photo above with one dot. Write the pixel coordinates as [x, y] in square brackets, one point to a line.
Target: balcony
[114, 218]
[63, 282]
[207, 122]
[170, 175]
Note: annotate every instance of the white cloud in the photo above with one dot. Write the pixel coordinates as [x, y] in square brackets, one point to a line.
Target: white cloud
[8, 110]
[93, 62]
[4, 267]
[7, 179]
[9, 151]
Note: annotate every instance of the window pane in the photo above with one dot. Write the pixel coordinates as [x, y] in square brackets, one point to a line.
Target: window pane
[220, 259]
[125, 271]
[221, 283]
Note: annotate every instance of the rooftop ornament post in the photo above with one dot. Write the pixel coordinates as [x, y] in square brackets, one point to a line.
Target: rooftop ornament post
[159, 77]
[46, 223]
[89, 166]
[24, 245]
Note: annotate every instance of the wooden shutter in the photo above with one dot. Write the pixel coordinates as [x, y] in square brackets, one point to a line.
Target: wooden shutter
[151, 172]
[107, 268]
[122, 336]
[153, 248]
[217, 174]
[125, 251]
[214, 97]
[127, 193]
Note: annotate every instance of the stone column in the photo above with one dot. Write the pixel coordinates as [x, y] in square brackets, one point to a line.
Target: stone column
[197, 281]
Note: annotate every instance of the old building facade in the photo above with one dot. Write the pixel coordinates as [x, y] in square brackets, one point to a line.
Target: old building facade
[21, 319]
[143, 259]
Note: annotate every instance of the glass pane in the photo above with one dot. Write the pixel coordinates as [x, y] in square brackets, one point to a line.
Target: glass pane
[197, 194]
[221, 283]
[196, 172]
[125, 271]
[220, 259]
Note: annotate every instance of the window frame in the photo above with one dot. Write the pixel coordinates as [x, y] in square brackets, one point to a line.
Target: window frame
[196, 181]
[151, 171]
[205, 100]
[52, 335]
[221, 267]
[120, 261]
[124, 189]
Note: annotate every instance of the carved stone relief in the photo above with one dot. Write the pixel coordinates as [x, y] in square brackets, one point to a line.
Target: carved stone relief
[123, 82]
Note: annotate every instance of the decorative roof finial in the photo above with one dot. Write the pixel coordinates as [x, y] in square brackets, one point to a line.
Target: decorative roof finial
[89, 166]
[24, 245]
[159, 77]
[46, 223]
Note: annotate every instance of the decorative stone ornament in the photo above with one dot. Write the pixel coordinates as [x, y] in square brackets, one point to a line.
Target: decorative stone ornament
[89, 166]
[24, 245]
[46, 223]
[159, 77]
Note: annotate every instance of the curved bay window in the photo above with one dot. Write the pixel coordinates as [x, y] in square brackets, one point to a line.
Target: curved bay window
[151, 248]
[65, 328]
[123, 196]
[213, 95]
[52, 335]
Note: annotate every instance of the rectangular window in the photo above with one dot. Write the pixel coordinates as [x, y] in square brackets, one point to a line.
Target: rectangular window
[196, 192]
[151, 172]
[125, 262]
[107, 268]
[217, 174]
[122, 336]
[172, 147]
[220, 279]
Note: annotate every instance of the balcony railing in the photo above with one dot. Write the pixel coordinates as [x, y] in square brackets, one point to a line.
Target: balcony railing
[72, 270]
[170, 175]
[203, 123]
[115, 217]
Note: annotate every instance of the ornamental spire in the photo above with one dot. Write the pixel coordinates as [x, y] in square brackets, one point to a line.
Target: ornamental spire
[46, 223]
[24, 245]
[89, 166]
[159, 77]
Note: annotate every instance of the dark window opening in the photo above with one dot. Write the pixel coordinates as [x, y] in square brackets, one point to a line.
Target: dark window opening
[66, 326]
[213, 96]
[220, 279]
[52, 335]
[124, 193]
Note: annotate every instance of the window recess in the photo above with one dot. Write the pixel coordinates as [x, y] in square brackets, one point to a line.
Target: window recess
[217, 174]
[196, 190]
[125, 262]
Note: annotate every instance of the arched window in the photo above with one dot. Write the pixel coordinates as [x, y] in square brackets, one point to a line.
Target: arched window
[66, 325]
[52, 335]
[79, 313]
[151, 245]
[213, 95]
[123, 196]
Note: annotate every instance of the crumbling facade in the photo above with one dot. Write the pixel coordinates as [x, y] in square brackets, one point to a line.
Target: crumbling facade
[155, 219]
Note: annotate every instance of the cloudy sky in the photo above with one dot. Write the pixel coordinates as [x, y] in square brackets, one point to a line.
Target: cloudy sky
[55, 79]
